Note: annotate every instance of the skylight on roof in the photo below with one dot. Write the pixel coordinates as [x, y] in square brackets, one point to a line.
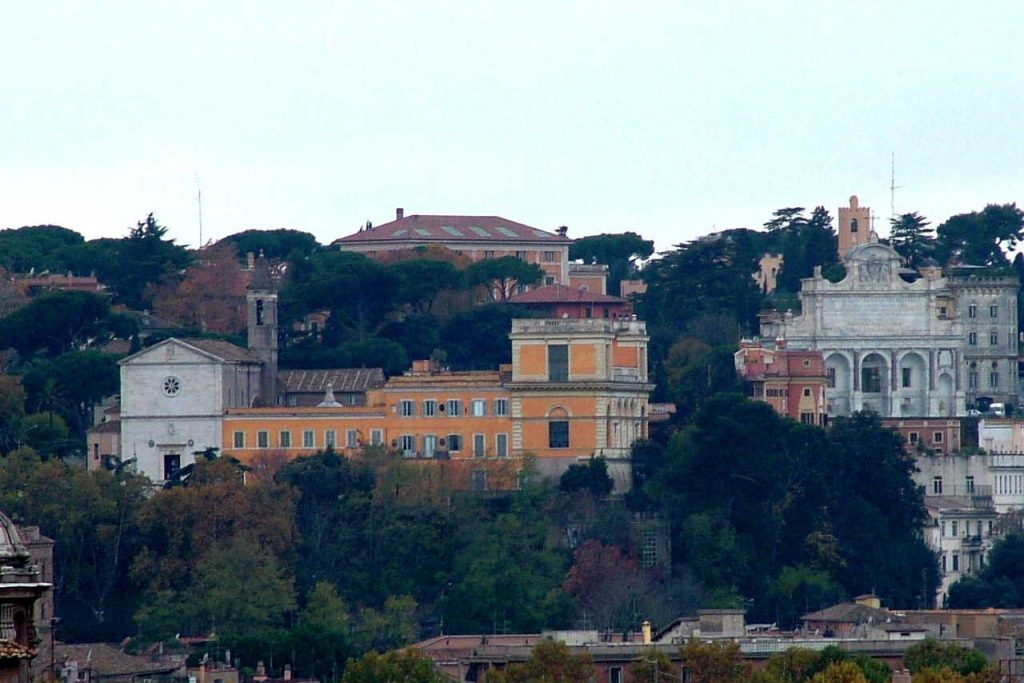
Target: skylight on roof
[400, 232]
[423, 232]
[505, 231]
[452, 230]
[479, 231]
[540, 234]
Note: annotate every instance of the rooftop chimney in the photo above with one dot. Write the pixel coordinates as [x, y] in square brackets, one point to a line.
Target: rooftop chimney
[399, 213]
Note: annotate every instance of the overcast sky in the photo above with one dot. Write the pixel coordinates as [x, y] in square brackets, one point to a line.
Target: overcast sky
[672, 119]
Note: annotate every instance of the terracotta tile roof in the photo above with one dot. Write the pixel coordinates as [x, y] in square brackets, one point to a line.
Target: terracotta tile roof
[849, 613]
[106, 660]
[419, 229]
[223, 350]
[343, 380]
[559, 294]
[110, 426]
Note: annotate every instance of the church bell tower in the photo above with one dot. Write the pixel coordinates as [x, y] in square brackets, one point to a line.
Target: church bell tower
[854, 226]
[261, 305]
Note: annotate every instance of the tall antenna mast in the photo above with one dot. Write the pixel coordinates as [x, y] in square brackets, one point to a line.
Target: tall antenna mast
[893, 187]
[199, 203]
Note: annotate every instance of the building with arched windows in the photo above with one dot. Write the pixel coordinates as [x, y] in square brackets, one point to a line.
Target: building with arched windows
[904, 343]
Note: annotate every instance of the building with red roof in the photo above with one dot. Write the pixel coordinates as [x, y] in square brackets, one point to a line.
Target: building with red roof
[560, 301]
[477, 237]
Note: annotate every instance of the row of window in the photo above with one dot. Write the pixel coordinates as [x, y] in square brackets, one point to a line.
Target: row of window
[432, 443]
[993, 379]
[353, 439]
[937, 437]
[955, 562]
[993, 338]
[452, 407]
[1009, 484]
[972, 311]
[956, 529]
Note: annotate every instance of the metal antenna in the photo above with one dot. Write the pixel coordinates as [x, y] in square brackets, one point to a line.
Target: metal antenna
[199, 202]
[893, 187]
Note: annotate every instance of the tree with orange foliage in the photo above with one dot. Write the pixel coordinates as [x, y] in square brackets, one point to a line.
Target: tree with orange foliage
[210, 297]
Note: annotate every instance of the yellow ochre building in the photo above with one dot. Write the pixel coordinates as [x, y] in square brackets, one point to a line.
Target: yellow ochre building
[576, 389]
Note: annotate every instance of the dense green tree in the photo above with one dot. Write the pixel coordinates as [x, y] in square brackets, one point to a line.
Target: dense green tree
[57, 322]
[804, 244]
[1000, 583]
[73, 384]
[405, 666]
[90, 515]
[278, 244]
[421, 280]
[359, 293]
[931, 654]
[592, 476]
[507, 571]
[477, 339]
[714, 662]
[500, 276]
[39, 248]
[981, 238]
[911, 235]
[142, 259]
[550, 662]
[12, 411]
[619, 251]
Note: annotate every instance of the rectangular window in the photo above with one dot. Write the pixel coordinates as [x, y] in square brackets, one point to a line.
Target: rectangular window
[407, 408]
[956, 562]
[549, 280]
[807, 418]
[430, 408]
[501, 445]
[993, 339]
[649, 548]
[454, 407]
[284, 439]
[807, 393]
[615, 674]
[455, 442]
[479, 407]
[330, 438]
[913, 438]
[830, 378]
[972, 379]
[429, 445]
[262, 439]
[550, 256]
[972, 311]
[172, 463]
[993, 380]
[937, 490]
[993, 311]
[943, 527]
[521, 255]
[944, 570]
[907, 376]
[376, 437]
[558, 434]
[955, 525]
[308, 439]
[352, 438]
[407, 444]
[937, 437]
[501, 407]
[488, 253]
[972, 338]
[479, 445]
[558, 362]
[239, 440]
[871, 380]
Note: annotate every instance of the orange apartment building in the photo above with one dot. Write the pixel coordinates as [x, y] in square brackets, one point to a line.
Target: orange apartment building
[789, 380]
[477, 237]
[576, 389]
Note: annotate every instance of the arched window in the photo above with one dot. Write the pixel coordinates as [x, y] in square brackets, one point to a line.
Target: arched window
[853, 225]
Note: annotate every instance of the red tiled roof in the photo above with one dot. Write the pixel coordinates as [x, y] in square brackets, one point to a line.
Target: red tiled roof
[9, 650]
[560, 294]
[105, 660]
[418, 229]
[222, 349]
[340, 379]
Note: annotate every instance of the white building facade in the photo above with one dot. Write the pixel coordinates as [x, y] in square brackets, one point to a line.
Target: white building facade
[890, 344]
